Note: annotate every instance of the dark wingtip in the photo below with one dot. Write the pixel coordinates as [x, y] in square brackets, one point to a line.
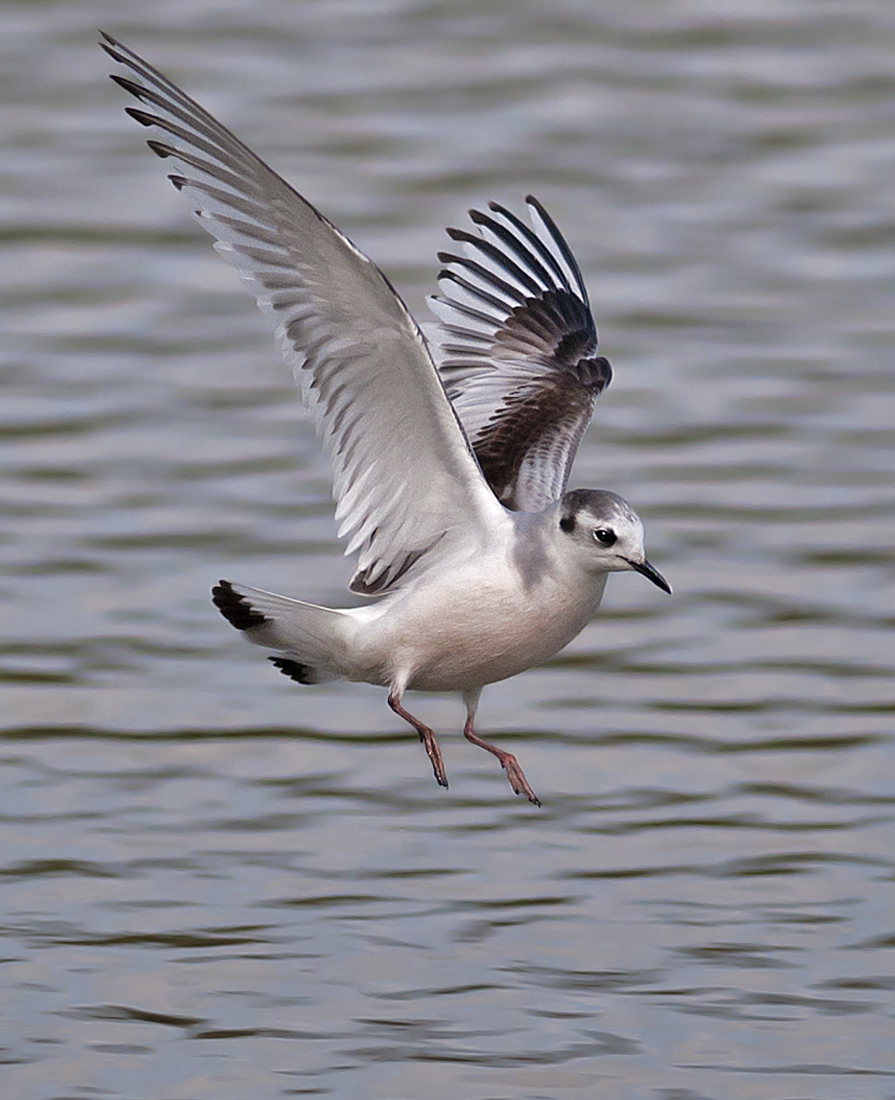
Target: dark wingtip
[235, 608]
[110, 45]
[295, 670]
[129, 85]
[143, 117]
[160, 148]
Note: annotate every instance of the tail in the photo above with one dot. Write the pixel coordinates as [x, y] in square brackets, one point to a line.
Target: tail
[314, 640]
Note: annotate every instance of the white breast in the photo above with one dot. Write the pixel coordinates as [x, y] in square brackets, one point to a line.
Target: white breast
[472, 626]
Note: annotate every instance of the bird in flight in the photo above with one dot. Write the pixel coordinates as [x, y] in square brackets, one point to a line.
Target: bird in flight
[449, 464]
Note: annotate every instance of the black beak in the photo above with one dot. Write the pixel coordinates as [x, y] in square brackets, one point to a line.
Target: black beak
[651, 573]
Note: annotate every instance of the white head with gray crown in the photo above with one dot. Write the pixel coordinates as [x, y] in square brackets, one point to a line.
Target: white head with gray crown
[607, 533]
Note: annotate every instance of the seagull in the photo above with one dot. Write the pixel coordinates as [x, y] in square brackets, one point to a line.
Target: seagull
[450, 462]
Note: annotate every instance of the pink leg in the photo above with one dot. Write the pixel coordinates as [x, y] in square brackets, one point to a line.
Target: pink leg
[507, 761]
[426, 736]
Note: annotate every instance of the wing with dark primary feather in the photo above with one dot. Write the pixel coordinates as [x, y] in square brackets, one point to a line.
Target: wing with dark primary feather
[406, 485]
[519, 352]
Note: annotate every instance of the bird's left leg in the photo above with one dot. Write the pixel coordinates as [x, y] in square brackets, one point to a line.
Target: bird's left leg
[426, 735]
[507, 761]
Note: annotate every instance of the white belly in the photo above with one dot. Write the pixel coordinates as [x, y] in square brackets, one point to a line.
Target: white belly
[461, 635]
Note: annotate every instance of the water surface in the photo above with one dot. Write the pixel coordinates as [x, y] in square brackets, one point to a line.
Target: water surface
[219, 885]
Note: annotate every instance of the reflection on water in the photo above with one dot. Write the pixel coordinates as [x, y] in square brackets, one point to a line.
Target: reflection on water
[194, 848]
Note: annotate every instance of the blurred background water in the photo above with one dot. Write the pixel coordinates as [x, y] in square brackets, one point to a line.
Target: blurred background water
[217, 885]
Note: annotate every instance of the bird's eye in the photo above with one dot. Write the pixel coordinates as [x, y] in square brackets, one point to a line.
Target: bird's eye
[604, 536]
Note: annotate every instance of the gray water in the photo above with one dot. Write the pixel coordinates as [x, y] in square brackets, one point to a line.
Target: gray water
[217, 885]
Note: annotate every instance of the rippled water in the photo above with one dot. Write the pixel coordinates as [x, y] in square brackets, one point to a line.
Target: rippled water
[218, 885]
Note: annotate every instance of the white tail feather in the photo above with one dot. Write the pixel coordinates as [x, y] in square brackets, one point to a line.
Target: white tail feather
[318, 638]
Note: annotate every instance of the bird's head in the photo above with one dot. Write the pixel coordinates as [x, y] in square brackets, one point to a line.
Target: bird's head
[606, 532]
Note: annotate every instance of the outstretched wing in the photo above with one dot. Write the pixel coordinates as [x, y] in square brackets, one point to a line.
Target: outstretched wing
[519, 352]
[404, 478]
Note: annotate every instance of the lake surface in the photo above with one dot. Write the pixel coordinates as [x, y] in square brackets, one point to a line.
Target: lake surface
[218, 885]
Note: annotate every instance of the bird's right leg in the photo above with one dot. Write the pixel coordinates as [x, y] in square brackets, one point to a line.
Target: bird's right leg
[508, 762]
[426, 735]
